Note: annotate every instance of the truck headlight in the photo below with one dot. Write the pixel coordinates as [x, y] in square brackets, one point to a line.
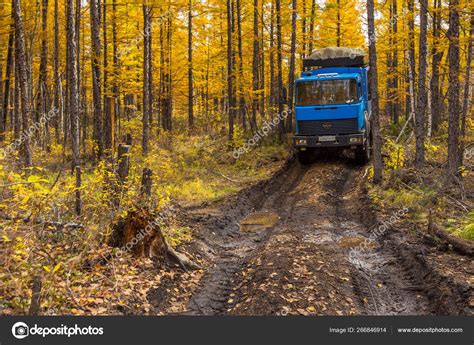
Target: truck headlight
[300, 141]
[355, 140]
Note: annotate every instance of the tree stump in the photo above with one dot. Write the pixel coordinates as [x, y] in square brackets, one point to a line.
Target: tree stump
[139, 233]
[146, 182]
[123, 159]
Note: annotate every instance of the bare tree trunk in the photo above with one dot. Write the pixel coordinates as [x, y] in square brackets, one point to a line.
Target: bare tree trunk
[77, 24]
[467, 100]
[146, 75]
[96, 77]
[73, 91]
[242, 112]
[3, 123]
[166, 103]
[42, 101]
[303, 30]
[373, 84]
[411, 56]
[311, 26]
[395, 99]
[8, 73]
[421, 104]
[262, 61]
[190, 67]
[56, 120]
[392, 79]
[454, 154]
[291, 72]
[106, 108]
[115, 86]
[436, 56]
[161, 98]
[272, 98]
[23, 80]
[230, 71]
[338, 24]
[16, 99]
[281, 124]
[255, 66]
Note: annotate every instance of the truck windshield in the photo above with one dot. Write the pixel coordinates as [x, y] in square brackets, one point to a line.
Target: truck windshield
[321, 92]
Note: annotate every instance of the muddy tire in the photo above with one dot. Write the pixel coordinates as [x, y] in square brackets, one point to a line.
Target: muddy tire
[305, 157]
[363, 153]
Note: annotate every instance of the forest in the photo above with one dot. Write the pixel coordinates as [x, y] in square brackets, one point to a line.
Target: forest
[121, 191]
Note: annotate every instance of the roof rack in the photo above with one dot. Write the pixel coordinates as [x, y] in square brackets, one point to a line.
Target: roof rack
[335, 57]
[335, 62]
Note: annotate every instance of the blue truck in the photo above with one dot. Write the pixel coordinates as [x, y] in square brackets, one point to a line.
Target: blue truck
[332, 104]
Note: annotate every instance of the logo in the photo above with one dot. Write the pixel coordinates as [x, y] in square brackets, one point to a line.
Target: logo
[20, 330]
[326, 125]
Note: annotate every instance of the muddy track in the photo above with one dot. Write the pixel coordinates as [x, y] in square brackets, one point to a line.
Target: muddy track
[310, 256]
[236, 247]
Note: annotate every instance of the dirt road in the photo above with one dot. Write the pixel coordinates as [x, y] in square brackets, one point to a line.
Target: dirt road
[300, 243]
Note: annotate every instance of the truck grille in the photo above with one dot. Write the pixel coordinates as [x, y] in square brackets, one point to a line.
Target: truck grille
[323, 127]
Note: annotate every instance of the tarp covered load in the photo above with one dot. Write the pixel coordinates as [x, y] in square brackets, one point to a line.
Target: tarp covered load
[335, 56]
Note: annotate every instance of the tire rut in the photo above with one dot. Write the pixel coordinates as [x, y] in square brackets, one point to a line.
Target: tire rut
[216, 285]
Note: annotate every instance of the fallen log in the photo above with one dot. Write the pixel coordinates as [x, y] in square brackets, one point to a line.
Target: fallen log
[46, 223]
[464, 247]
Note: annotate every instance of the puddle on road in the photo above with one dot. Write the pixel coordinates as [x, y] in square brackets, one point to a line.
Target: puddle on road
[259, 221]
[356, 241]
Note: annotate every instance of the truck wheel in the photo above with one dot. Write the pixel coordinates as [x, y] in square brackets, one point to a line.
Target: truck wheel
[363, 153]
[305, 157]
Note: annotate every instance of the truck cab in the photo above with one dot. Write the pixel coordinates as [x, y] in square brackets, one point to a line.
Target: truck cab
[332, 106]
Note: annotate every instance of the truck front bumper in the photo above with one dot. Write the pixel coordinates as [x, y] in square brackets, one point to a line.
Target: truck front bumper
[356, 139]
